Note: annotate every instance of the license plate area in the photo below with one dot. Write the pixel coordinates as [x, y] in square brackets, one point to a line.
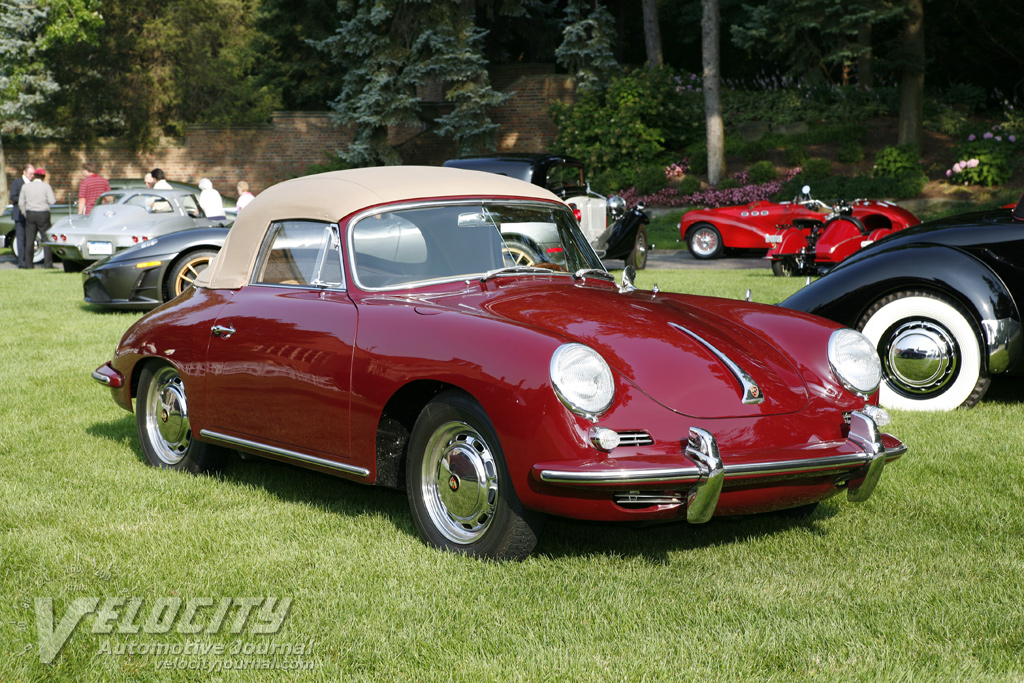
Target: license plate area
[101, 248]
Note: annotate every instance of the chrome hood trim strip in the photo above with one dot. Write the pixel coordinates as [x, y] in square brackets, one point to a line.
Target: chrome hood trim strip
[752, 393]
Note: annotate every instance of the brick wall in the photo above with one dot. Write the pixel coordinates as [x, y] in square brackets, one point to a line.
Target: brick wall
[284, 148]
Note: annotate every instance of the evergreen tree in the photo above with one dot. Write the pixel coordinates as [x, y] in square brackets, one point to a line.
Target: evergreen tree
[587, 44]
[388, 49]
[25, 80]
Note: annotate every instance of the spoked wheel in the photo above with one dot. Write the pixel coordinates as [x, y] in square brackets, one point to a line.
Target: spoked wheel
[638, 257]
[459, 489]
[165, 430]
[930, 352]
[704, 241]
[785, 266]
[186, 272]
[520, 254]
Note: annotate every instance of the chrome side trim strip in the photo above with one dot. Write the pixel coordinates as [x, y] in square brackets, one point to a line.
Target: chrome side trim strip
[752, 393]
[284, 453]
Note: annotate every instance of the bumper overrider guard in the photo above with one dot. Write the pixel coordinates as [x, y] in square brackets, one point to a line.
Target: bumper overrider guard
[708, 473]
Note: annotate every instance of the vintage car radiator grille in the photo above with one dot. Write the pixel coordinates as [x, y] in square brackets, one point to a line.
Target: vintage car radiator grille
[635, 438]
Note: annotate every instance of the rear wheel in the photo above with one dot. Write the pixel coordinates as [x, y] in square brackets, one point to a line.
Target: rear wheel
[638, 257]
[165, 428]
[785, 266]
[460, 492]
[186, 272]
[704, 241]
[930, 352]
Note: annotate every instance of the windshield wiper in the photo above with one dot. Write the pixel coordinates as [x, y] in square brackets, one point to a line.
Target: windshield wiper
[582, 273]
[513, 269]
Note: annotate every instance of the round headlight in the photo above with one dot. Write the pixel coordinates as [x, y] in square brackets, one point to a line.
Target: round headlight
[854, 361]
[582, 380]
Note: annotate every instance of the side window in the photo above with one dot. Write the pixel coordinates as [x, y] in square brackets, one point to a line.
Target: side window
[191, 206]
[300, 253]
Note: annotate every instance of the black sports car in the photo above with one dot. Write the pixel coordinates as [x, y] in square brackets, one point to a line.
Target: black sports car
[942, 302]
[152, 272]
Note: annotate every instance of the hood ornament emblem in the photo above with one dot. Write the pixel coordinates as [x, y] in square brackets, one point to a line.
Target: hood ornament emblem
[752, 393]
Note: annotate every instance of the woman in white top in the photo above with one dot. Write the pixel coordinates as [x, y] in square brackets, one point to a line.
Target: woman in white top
[210, 201]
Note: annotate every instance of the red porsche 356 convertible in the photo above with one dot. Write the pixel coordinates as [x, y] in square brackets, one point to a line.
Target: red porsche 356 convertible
[791, 229]
[373, 324]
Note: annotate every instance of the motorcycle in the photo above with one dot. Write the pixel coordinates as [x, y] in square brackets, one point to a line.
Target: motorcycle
[815, 246]
[625, 237]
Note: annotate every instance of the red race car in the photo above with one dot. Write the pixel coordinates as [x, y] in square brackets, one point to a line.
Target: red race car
[709, 232]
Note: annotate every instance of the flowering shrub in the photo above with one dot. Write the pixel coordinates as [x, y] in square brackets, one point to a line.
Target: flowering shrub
[986, 161]
[712, 197]
[677, 170]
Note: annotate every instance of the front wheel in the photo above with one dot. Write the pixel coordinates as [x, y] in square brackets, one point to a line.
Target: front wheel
[186, 272]
[460, 492]
[704, 241]
[638, 257]
[165, 428]
[930, 352]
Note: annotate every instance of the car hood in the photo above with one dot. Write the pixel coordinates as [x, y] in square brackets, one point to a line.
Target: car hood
[652, 341]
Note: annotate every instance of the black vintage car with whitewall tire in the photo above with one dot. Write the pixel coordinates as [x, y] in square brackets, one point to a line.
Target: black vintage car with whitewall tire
[941, 301]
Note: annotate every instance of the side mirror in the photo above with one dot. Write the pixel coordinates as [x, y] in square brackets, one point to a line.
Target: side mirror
[628, 278]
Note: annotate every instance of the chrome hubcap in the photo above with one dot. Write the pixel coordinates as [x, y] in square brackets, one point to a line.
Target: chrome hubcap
[167, 424]
[705, 242]
[921, 357]
[459, 482]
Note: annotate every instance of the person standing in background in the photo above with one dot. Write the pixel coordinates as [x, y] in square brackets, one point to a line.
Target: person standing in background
[244, 196]
[161, 180]
[90, 189]
[210, 201]
[35, 200]
[27, 173]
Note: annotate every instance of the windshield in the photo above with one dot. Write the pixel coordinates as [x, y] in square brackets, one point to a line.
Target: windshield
[455, 241]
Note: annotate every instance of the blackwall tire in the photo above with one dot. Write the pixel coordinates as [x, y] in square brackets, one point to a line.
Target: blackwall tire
[163, 421]
[186, 271]
[704, 241]
[785, 267]
[930, 351]
[460, 492]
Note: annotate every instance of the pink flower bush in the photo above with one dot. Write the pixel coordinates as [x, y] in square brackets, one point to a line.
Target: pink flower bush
[677, 170]
[711, 197]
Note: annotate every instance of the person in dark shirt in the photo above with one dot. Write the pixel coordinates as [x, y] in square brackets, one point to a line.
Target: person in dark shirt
[28, 172]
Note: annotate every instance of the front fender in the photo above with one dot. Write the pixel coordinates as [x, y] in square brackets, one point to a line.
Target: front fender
[846, 293]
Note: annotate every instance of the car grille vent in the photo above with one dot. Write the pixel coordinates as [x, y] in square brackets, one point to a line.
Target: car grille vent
[645, 499]
[635, 438]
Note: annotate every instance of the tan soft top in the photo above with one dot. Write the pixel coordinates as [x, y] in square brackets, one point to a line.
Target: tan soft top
[332, 196]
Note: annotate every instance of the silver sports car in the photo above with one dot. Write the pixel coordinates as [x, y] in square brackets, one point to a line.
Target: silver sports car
[123, 218]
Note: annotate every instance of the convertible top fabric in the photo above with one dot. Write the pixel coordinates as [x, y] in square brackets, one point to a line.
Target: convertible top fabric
[333, 196]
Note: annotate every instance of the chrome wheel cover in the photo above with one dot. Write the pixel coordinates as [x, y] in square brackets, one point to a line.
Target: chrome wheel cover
[640, 252]
[920, 357]
[704, 241]
[167, 423]
[459, 483]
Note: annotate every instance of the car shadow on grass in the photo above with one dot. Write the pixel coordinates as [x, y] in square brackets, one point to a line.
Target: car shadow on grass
[562, 538]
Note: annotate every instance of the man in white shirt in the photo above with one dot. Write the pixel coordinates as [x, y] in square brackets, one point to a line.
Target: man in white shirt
[35, 200]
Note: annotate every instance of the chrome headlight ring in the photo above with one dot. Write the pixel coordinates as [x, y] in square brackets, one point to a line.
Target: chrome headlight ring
[854, 361]
[582, 380]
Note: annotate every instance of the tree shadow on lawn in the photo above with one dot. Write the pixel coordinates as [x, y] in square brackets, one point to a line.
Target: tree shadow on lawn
[561, 538]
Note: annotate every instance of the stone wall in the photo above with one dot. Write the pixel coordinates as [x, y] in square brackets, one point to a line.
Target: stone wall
[288, 145]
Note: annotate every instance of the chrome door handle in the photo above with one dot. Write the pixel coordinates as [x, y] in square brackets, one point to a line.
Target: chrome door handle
[222, 331]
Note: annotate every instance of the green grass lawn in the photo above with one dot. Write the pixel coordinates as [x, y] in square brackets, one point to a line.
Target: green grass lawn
[924, 582]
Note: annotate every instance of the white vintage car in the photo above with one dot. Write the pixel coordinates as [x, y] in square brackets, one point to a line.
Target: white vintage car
[123, 218]
[613, 232]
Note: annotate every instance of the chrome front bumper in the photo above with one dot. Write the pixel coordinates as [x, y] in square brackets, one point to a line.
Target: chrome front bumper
[708, 473]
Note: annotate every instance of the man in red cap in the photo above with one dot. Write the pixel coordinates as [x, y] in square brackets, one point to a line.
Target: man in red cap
[90, 189]
[35, 201]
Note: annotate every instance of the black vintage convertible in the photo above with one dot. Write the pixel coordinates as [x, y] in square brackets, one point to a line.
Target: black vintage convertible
[941, 301]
